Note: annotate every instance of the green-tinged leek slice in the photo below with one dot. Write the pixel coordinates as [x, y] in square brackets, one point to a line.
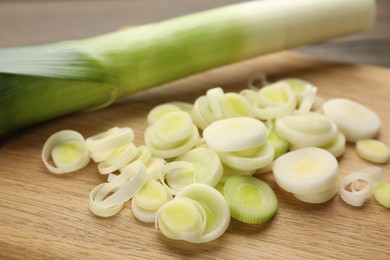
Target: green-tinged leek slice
[250, 199]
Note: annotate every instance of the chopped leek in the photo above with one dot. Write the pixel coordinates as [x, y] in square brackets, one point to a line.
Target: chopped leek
[382, 194]
[353, 192]
[38, 83]
[306, 130]
[123, 187]
[373, 150]
[215, 206]
[305, 171]
[68, 151]
[148, 200]
[250, 199]
[235, 134]
[355, 120]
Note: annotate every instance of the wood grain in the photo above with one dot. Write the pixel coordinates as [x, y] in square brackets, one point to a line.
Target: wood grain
[43, 215]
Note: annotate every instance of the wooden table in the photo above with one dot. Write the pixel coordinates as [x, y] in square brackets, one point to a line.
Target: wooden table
[45, 216]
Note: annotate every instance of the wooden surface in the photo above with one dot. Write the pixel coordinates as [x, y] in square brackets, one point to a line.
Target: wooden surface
[43, 215]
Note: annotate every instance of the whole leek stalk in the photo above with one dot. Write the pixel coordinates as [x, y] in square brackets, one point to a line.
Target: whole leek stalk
[38, 83]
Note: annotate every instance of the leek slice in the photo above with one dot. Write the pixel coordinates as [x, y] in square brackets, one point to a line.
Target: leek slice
[97, 209]
[214, 97]
[262, 156]
[357, 195]
[182, 218]
[173, 134]
[174, 126]
[306, 130]
[158, 111]
[177, 175]
[215, 206]
[208, 167]
[279, 144]
[123, 187]
[118, 159]
[337, 146]
[373, 150]
[235, 134]
[155, 166]
[191, 141]
[110, 140]
[382, 194]
[355, 120]
[274, 101]
[308, 97]
[202, 113]
[235, 105]
[319, 197]
[148, 200]
[68, 151]
[308, 170]
[250, 200]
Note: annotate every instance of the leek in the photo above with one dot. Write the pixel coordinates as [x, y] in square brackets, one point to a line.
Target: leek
[38, 83]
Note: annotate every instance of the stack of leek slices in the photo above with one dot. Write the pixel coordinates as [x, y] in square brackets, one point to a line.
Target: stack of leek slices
[196, 168]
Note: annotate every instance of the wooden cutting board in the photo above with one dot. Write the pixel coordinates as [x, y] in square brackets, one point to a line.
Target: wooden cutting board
[43, 215]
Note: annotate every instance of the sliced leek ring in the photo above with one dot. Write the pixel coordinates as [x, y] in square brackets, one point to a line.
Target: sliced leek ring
[155, 166]
[182, 219]
[158, 111]
[355, 120]
[382, 194]
[191, 141]
[123, 187]
[174, 126]
[68, 151]
[110, 140]
[97, 209]
[250, 199]
[214, 97]
[148, 200]
[202, 113]
[235, 134]
[262, 157]
[118, 159]
[235, 105]
[319, 197]
[215, 207]
[373, 150]
[208, 167]
[307, 170]
[306, 130]
[308, 98]
[274, 101]
[357, 195]
[176, 175]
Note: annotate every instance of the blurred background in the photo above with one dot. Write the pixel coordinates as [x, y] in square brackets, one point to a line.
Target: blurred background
[24, 22]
